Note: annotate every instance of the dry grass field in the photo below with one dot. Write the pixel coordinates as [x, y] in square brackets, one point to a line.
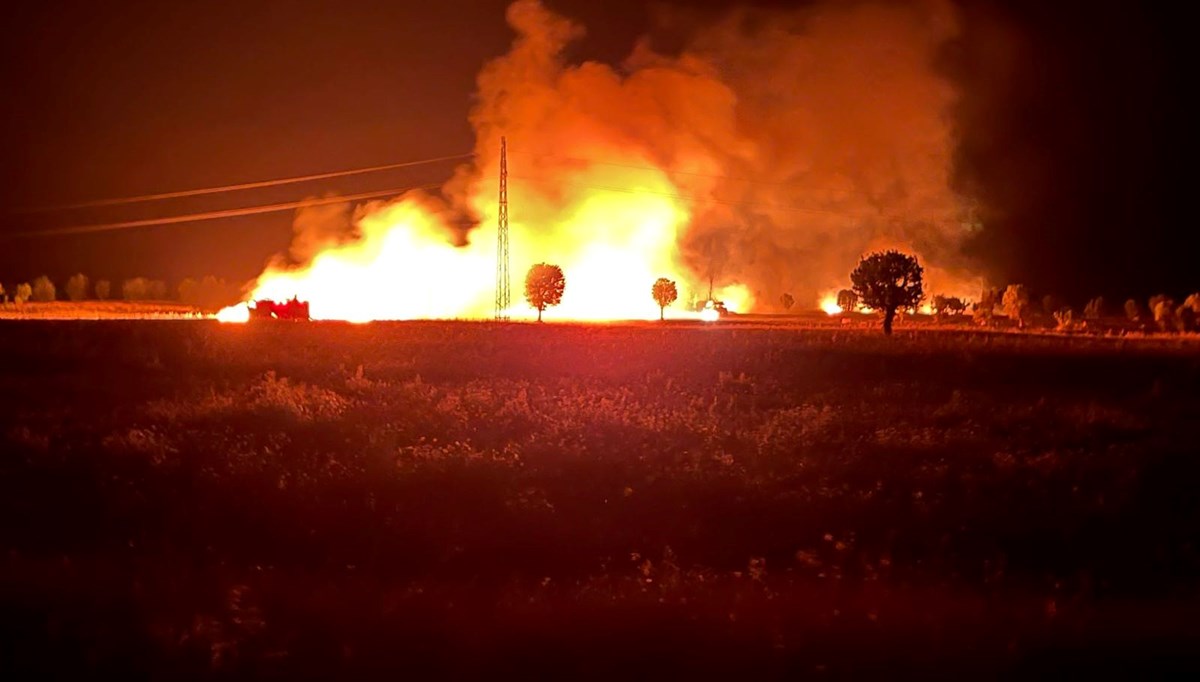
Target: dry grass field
[182, 499]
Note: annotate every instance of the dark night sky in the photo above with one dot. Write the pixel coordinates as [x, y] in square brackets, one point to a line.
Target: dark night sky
[1073, 127]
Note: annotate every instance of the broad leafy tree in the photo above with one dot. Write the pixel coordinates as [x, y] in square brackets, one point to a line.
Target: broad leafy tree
[664, 293]
[787, 301]
[888, 281]
[544, 286]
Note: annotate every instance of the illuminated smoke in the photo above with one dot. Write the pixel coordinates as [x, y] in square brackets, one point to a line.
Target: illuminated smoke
[769, 155]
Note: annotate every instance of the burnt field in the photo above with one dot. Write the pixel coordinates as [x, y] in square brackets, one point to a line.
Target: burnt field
[320, 500]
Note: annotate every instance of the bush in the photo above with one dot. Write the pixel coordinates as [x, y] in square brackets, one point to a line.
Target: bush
[103, 289]
[24, 293]
[43, 290]
[1094, 310]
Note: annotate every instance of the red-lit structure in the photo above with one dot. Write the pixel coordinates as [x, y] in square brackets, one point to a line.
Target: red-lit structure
[294, 309]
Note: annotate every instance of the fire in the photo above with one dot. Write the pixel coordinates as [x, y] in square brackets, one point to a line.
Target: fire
[830, 305]
[235, 313]
[405, 265]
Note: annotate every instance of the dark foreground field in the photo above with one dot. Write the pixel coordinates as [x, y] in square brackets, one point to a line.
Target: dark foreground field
[327, 500]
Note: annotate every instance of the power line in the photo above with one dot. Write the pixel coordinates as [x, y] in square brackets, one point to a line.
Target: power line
[215, 215]
[710, 176]
[242, 186]
[671, 195]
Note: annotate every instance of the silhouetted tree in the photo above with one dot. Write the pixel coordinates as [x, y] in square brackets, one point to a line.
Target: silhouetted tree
[103, 288]
[77, 287]
[544, 286]
[887, 281]
[43, 290]
[1016, 304]
[1094, 309]
[664, 293]
[3, 298]
[24, 293]
[847, 300]
[787, 301]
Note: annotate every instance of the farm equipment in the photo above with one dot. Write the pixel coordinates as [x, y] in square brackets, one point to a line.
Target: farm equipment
[294, 309]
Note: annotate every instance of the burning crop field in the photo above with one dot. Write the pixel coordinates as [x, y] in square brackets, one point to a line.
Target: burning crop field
[330, 499]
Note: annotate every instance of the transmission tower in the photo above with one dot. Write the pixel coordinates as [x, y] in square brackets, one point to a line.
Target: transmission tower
[503, 291]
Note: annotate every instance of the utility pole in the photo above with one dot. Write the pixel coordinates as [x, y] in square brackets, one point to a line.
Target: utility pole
[503, 291]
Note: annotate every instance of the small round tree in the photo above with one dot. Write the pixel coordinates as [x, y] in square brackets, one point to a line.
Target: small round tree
[787, 301]
[23, 293]
[43, 289]
[887, 281]
[664, 293]
[77, 287]
[544, 286]
[847, 300]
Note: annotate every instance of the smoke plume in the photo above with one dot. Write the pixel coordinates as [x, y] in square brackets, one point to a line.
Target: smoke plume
[794, 140]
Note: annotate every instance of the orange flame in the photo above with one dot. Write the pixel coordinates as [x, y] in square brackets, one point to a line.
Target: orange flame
[611, 247]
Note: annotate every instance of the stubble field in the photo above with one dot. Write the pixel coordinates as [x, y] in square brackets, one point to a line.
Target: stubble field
[183, 498]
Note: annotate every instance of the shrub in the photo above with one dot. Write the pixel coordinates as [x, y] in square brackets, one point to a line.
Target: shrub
[103, 288]
[1094, 309]
[24, 293]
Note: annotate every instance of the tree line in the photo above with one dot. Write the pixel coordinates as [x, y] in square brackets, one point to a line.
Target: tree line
[204, 292]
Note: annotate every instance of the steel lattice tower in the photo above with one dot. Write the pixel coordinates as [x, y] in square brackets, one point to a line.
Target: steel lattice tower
[503, 291]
